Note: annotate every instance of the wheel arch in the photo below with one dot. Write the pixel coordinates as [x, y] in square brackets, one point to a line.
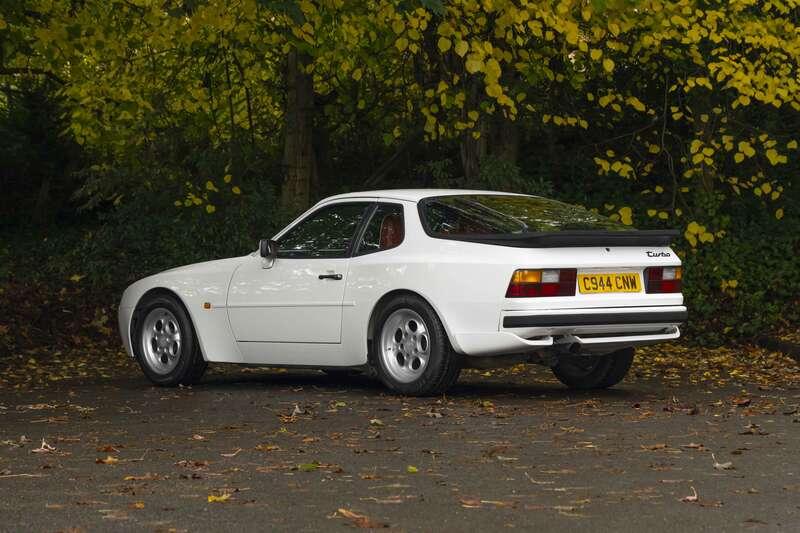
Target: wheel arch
[373, 316]
[163, 291]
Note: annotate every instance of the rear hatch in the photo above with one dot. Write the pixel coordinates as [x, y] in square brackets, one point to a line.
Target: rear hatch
[565, 256]
[595, 276]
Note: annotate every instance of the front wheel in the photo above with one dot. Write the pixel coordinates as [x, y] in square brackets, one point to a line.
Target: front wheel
[411, 350]
[164, 342]
[594, 372]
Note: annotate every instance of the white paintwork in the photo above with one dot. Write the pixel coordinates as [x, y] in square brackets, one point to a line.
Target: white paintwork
[277, 304]
[285, 315]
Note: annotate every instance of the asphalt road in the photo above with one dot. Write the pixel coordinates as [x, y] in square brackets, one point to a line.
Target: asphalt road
[300, 451]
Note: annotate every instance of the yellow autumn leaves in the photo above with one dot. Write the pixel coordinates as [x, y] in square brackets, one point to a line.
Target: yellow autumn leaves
[492, 44]
[697, 233]
[200, 198]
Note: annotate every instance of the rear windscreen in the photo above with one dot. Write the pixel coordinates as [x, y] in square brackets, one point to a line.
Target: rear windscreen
[489, 214]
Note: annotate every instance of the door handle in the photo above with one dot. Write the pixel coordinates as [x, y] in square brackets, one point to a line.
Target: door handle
[337, 277]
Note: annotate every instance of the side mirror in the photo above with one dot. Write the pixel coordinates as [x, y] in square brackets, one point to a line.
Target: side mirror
[268, 250]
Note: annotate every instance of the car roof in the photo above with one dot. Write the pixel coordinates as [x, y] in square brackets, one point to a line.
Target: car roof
[412, 195]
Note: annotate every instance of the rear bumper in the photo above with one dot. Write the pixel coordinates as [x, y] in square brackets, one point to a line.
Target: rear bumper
[595, 319]
[594, 330]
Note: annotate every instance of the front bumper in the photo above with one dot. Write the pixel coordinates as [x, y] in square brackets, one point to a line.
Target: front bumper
[124, 317]
[596, 330]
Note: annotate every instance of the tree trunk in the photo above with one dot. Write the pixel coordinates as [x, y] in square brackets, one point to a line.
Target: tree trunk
[472, 151]
[40, 211]
[505, 139]
[299, 159]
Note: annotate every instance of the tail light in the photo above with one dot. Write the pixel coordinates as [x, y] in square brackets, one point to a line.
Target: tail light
[537, 283]
[663, 279]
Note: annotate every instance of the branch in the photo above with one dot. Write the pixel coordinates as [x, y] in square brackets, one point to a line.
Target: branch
[10, 71]
[382, 171]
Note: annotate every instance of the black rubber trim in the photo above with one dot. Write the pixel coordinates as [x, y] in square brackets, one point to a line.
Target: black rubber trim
[600, 319]
[571, 238]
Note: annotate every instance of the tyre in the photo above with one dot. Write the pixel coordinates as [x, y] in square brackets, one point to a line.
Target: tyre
[594, 372]
[410, 348]
[165, 344]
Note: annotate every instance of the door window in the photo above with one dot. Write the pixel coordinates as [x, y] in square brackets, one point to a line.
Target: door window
[326, 233]
[384, 231]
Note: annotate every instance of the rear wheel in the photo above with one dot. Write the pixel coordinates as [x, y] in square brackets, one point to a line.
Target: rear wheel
[164, 342]
[411, 350]
[594, 372]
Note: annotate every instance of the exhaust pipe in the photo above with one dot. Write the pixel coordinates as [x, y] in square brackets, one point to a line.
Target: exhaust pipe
[568, 345]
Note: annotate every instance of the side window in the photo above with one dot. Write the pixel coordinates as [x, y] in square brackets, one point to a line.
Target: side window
[384, 231]
[325, 233]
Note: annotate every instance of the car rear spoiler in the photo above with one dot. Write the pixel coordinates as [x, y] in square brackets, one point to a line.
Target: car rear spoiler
[573, 238]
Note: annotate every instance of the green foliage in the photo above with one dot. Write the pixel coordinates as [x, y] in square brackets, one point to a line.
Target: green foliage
[495, 174]
[438, 173]
[744, 286]
[498, 174]
[141, 236]
[147, 233]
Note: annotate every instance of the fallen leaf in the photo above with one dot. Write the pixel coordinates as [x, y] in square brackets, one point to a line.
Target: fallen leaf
[109, 460]
[693, 498]
[375, 422]
[741, 402]
[412, 469]
[389, 500]
[360, 520]
[721, 466]
[232, 454]
[470, 503]
[145, 477]
[44, 448]
[212, 498]
[138, 505]
[753, 429]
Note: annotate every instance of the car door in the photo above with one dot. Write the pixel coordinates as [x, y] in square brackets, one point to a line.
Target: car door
[298, 299]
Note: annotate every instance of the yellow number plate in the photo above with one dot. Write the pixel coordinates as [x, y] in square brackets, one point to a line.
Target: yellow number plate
[592, 283]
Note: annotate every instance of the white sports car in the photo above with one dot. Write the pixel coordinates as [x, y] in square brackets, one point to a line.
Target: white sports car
[413, 285]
